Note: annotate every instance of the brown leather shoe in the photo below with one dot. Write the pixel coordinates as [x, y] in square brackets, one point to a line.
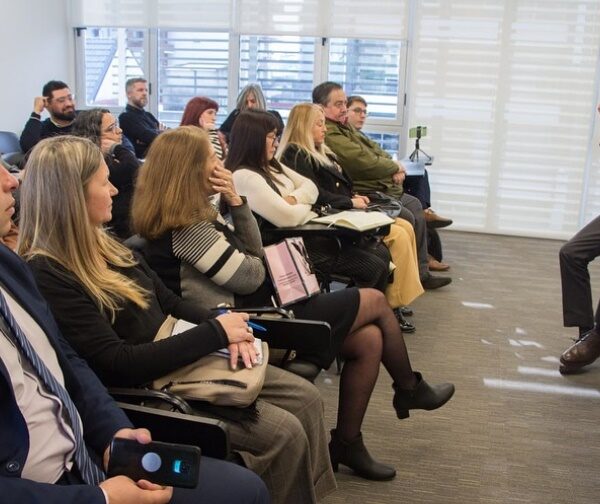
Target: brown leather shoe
[435, 265]
[434, 220]
[585, 351]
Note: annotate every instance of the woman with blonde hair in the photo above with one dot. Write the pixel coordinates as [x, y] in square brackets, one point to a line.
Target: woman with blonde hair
[207, 261]
[303, 148]
[110, 306]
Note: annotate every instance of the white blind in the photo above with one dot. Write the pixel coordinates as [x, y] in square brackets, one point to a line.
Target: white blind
[307, 18]
[507, 90]
[202, 14]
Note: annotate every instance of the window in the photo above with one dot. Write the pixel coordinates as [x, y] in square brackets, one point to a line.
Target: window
[191, 64]
[389, 142]
[283, 66]
[112, 55]
[507, 91]
[370, 68]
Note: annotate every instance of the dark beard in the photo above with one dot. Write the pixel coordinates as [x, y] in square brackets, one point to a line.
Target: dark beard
[69, 116]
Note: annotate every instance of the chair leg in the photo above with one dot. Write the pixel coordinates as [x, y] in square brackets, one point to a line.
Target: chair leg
[339, 363]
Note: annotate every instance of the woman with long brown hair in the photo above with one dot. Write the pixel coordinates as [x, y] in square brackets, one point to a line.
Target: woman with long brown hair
[199, 256]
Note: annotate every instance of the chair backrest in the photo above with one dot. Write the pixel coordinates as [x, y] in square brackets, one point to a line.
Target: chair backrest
[9, 143]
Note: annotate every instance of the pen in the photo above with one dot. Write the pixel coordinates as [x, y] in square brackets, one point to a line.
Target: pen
[256, 326]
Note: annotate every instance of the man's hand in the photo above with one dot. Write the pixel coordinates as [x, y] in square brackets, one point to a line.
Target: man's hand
[39, 104]
[400, 175]
[140, 435]
[123, 490]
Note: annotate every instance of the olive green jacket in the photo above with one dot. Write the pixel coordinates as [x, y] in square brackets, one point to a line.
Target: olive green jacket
[369, 166]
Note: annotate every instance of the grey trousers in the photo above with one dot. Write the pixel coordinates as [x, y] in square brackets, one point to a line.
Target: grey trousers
[287, 447]
[412, 211]
[574, 256]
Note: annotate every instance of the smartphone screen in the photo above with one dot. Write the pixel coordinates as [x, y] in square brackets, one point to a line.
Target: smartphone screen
[166, 464]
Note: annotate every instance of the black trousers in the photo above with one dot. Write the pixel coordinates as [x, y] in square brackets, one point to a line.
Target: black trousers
[418, 186]
[575, 255]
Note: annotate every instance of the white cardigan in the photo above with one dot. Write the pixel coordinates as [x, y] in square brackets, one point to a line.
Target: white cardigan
[264, 201]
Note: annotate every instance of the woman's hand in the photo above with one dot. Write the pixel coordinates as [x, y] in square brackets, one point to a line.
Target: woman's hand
[244, 349]
[358, 202]
[106, 145]
[221, 181]
[236, 327]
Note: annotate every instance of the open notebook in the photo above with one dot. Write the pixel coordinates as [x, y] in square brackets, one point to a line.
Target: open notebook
[352, 219]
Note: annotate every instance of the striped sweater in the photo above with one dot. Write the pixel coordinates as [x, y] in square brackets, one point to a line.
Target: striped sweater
[199, 262]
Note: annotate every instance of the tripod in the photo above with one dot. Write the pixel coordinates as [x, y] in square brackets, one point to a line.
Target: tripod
[414, 157]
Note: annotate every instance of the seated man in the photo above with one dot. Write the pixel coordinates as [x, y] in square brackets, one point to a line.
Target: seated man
[56, 419]
[372, 169]
[416, 185]
[138, 125]
[58, 100]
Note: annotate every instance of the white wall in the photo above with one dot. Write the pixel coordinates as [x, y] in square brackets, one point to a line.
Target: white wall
[35, 47]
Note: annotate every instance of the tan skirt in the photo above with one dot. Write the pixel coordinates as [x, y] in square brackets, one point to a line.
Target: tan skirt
[401, 243]
[287, 447]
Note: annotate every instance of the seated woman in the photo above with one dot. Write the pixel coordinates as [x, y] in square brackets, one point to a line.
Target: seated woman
[251, 97]
[284, 198]
[101, 127]
[202, 112]
[203, 259]
[110, 306]
[303, 149]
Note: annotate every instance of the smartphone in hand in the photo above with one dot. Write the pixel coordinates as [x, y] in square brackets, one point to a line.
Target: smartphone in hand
[165, 464]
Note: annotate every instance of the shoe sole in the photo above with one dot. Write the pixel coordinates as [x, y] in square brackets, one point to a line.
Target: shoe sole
[438, 224]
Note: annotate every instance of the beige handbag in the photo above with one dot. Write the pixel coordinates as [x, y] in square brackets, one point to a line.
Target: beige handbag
[211, 379]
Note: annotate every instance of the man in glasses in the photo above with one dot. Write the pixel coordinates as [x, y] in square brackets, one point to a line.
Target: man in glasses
[372, 169]
[59, 101]
[415, 185]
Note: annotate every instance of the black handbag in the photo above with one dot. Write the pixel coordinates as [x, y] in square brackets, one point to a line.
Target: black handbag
[381, 202]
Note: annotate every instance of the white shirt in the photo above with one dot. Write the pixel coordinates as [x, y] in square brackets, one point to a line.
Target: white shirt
[51, 439]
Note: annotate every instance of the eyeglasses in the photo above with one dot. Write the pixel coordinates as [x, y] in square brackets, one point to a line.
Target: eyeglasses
[112, 128]
[272, 137]
[360, 111]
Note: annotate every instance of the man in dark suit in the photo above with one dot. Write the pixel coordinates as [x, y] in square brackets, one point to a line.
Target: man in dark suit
[139, 125]
[56, 419]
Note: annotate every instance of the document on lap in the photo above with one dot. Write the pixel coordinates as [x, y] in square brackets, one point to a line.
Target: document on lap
[184, 325]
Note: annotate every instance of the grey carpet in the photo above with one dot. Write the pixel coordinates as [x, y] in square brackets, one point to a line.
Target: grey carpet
[516, 431]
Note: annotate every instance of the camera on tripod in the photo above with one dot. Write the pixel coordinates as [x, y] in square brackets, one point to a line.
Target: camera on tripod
[417, 133]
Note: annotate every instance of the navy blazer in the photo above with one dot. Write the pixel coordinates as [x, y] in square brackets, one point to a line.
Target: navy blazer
[100, 415]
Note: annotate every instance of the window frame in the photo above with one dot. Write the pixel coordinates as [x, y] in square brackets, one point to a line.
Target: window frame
[395, 125]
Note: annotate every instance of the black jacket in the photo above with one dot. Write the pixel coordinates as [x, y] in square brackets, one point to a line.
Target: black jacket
[335, 187]
[139, 126]
[36, 130]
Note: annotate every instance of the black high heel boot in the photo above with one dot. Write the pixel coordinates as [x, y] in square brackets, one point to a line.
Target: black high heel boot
[423, 396]
[354, 454]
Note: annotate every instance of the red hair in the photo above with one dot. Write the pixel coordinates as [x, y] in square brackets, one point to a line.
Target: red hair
[195, 108]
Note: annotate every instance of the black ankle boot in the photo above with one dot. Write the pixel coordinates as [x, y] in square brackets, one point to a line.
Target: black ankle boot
[354, 454]
[423, 396]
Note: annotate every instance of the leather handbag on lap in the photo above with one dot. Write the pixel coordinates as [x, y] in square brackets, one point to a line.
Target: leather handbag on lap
[211, 378]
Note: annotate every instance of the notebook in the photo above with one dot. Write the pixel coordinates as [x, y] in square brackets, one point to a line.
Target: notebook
[358, 220]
